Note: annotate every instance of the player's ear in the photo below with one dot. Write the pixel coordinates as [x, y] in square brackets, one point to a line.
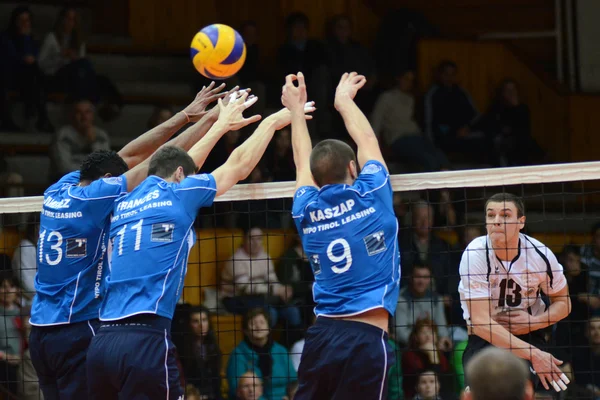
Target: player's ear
[107, 175]
[353, 169]
[522, 222]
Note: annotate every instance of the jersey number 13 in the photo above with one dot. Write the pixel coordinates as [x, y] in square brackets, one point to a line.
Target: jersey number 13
[510, 293]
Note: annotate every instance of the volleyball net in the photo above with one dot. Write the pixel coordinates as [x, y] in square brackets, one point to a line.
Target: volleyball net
[248, 258]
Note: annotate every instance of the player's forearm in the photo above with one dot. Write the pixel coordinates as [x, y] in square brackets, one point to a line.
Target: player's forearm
[558, 310]
[142, 147]
[207, 141]
[245, 158]
[195, 133]
[498, 336]
[356, 122]
[301, 142]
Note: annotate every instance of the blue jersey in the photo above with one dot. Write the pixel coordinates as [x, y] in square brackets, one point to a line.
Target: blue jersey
[350, 236]
[152, 233]
[74, 225]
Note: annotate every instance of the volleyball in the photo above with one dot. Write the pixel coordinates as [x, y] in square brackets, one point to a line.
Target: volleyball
[218, 51]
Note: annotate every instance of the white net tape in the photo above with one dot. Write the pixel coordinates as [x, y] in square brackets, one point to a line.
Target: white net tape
[572, 172]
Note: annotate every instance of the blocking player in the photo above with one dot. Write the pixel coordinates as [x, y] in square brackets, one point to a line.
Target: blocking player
[72, 244]
[152, 231]
[345, 218]
[502, 277]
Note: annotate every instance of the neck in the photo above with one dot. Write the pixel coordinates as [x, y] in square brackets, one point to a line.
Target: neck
[259, 342]
[508, 251]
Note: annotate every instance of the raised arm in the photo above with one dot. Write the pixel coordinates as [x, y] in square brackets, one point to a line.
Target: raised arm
[141, 148]
[356, 123]
[294, 99]
[244, 159]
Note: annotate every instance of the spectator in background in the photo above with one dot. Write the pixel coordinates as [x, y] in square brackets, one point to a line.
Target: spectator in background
[201, 356]
[424, 354]
[299, 53]
[394, 391]
[450, 115]
[291, 390]
[508, 123]
[428, 386]
[159, 115]
[393, 119]
[75, 141]
[248, 281]
[295, 270]
[418, 301]
[21, 55]
[222, 151]
[250, 387]
[420, 246]
[279, 157]
[62, 57]
[24, 261]
[11, 334]
[258, 352]
[586, 359]
[29, 385]
[590, 256]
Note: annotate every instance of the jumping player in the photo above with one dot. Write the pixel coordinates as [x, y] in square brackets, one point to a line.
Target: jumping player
[345, 218]
[502, 277]
[131, 357]
[72, 245]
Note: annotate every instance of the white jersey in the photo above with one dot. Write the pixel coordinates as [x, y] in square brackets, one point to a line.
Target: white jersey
[512, 284]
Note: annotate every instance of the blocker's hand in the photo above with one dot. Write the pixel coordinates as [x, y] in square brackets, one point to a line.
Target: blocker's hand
[283, 117]
[349, 85]
[197, 108]
[230, 114]
[294, 97]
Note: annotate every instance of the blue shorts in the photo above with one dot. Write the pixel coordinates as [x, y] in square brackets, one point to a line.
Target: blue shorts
[58, 354]
[133, 358]
[344, 360]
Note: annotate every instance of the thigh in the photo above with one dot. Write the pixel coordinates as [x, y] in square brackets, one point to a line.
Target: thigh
[71, 372]
[314, 370]
[102, 366]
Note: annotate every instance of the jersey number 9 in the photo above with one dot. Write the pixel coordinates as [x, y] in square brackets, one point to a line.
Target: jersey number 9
[345, 256]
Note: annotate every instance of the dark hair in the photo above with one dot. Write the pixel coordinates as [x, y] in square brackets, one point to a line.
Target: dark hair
[508, 198]
[413, 339]
[210, 335]
[333, 21]
[296, 18]
[167, 159]
[419, 266]
[426, 371]
[254, 312]
[75, 40]
[14, 15]
[571, 249]
[329, 161]
[100, 163]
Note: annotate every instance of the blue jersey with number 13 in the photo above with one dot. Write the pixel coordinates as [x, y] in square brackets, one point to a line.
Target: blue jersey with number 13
[350, 236]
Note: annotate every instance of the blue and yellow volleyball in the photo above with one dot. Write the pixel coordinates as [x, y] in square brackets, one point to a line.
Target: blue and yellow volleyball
[218, 51]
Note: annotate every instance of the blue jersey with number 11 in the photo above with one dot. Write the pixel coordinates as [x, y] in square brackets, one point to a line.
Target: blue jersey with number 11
[152, 233]
[350, 236]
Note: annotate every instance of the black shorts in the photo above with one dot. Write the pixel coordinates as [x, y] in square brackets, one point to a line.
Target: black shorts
[476, 344]
[344, 360]
[58, 354]
[133, 359]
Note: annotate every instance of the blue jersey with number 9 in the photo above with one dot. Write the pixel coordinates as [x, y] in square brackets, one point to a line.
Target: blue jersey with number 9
[152, 233]
[71, 249]
[350, 236]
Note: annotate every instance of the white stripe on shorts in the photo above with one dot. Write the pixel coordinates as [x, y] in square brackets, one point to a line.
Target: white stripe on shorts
[166, 366]
[385, 361]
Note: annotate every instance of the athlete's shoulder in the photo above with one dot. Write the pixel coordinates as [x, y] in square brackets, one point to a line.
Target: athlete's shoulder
[530, 241]
[372, 177]
[304, 196]
[474, 255]
[70, 179]
[478, 244]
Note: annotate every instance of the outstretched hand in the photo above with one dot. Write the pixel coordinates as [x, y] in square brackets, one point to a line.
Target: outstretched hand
[283, 117]
[349, 85]
[232, 108]
[294, 97]
[197, 108]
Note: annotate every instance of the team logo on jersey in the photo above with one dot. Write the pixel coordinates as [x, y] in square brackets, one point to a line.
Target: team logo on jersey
[162, 232]
[76, 248]
[315, 264]
[200, 177]
[116, 180]
[375, 243]
[371, 169]
[300, 192]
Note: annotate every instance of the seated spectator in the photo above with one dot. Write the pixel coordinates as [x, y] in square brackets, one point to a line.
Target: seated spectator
[428, 386]
[62, 57]
[24, 261]
[419, 301]
[20, 54]
[78, 139]
[393, 118]
[590, 256]
[418, 245]
[295, 270]
[424, 354]
[250, 387]
[508, 123]
[259, 353]
[248, 281]
[11, 337]
[586, 359]
[450, 116]
[201, 356]
[159, 115]
[394, 391]
[279, 158]
[291, 390]
[29, 385]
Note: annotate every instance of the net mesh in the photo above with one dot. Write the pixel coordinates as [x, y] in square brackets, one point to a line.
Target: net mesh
[438, 214]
